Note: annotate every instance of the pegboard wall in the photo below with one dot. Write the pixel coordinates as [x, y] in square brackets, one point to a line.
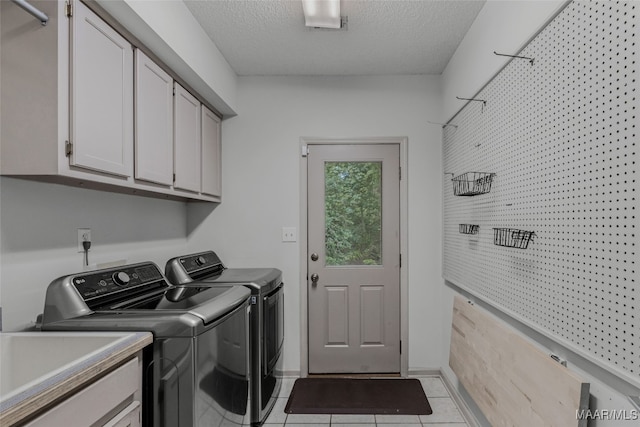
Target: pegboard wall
[561, 136]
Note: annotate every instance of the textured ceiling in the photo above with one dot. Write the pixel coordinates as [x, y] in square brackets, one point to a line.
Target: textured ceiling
[268, 37]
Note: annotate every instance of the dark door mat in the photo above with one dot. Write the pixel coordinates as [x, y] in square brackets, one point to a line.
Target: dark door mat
[358, 396]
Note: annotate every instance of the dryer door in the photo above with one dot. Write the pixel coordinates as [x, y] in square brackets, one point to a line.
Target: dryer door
[273, 327]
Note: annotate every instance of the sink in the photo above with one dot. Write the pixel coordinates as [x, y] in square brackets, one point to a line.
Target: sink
[33, 361]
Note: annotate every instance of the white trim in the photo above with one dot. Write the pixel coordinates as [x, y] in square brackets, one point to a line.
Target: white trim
[467, 413]
[435, 372]
[288, 374]
[404, 245]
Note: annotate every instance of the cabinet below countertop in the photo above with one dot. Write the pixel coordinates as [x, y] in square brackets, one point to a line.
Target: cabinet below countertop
[110, 376]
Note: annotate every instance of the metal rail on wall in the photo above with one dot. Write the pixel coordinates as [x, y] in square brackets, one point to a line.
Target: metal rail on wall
[551, 188]
[37, 13]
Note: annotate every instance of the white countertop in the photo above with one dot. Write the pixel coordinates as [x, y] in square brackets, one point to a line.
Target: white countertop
[40, 368]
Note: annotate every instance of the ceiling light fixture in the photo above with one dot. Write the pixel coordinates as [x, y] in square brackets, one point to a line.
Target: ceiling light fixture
[322, 13]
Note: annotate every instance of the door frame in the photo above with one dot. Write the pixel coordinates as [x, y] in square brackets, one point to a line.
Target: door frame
[404, 246]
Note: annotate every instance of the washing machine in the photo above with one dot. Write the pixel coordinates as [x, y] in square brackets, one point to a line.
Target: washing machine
[196, 372]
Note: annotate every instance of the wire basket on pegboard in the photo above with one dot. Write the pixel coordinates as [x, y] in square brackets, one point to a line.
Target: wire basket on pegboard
[512, 238]
[472, 183]
[469, 228]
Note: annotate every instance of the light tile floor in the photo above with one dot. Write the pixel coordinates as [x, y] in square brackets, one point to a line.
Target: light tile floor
[445, 412]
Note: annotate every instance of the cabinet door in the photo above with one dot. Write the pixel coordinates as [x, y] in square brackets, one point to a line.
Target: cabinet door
[128, 417]
[211, 153]
[186, 141]
[154, 122]
[94, 402]
[101, 96]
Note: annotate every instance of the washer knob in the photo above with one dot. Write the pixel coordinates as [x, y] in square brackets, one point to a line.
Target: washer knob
[201, 260]
[121, 278]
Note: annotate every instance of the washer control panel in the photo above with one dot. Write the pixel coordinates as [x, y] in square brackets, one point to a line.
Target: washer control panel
[105, 282]
[205, 260]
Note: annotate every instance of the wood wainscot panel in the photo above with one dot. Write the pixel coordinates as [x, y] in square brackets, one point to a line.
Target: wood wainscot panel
[512, 381]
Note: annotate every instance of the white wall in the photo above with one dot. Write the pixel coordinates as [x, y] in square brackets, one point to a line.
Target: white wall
[506, 27]
[39, 222]
[501, 26]
[38, 238]
[169, 29]
[261, 193]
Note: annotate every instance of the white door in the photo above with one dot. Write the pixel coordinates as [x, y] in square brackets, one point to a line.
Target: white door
[154, 122]
[354, 258]
[186, 110]
[211, 154]
[102, 96]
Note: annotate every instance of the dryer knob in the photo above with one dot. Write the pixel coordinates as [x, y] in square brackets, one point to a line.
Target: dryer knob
[201, 260]
[121, 278]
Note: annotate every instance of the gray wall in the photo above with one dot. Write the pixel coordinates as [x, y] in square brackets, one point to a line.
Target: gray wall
[38, 238]
[38, 221]
[261, 160]
[506, 27]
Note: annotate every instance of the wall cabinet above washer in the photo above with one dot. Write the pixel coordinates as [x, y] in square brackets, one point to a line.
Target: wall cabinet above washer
[211, 154]
[69, 91]
[187, 140]
[154, 122]
[101, 96]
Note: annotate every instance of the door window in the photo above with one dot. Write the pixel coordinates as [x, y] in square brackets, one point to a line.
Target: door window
[353, 213]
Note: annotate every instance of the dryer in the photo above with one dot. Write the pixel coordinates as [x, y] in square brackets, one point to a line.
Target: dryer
[266, 320]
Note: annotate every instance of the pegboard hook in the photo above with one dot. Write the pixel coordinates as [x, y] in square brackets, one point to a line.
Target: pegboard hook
[515, 56]
[484, 101]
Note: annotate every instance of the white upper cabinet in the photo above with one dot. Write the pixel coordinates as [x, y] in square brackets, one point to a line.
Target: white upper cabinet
[82, 106]
[101, 96]
[211, 154]
[154, 122]
[186, 140]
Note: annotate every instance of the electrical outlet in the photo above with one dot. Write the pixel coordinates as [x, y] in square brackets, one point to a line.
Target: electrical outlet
[289, 234]
[84, 235]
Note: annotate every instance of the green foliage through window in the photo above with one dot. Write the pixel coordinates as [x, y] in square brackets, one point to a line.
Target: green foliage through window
[353, 213]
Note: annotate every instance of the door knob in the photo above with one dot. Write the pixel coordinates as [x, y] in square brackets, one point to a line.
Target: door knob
[314, 279]
[314, 256]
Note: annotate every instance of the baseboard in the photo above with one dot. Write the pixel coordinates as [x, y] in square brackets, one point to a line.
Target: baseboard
[428, 372]
[462, 404]
[288, 374]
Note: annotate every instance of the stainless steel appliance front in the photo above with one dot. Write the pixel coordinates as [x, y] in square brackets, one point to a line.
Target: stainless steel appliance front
[266, 319]
[196, 373]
